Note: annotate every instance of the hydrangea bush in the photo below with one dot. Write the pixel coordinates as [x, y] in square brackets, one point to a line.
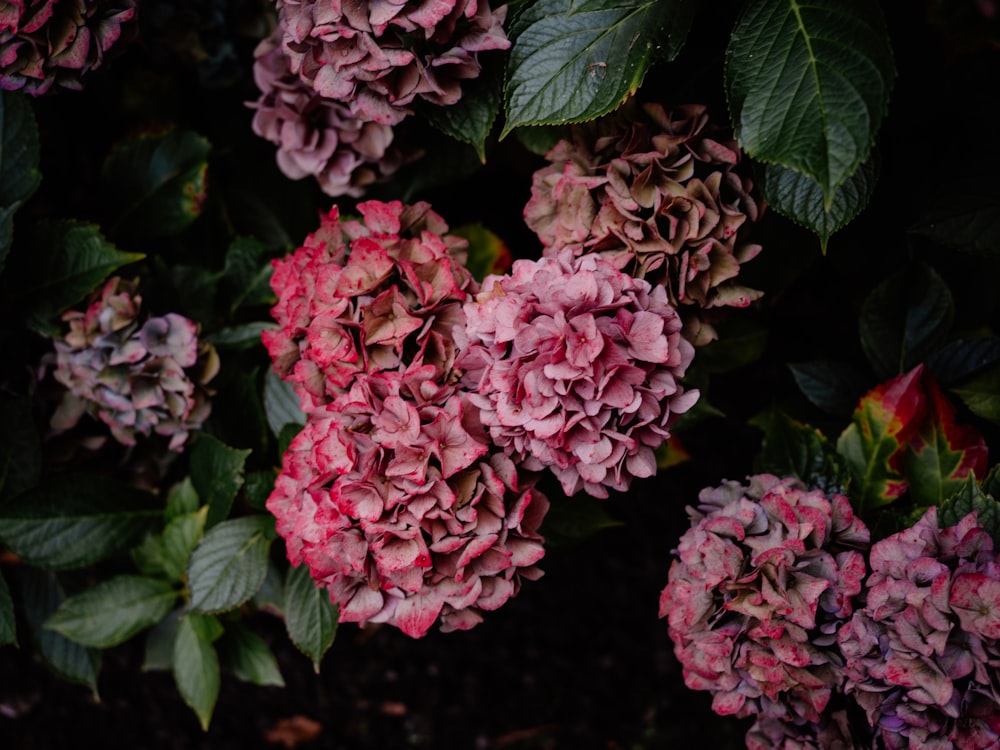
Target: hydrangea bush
[378, 313]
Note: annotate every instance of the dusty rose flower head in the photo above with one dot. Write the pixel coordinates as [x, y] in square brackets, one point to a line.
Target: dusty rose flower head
[379, 293]
[316, 136]
[761, 581]
[575, 367]
[394, 500]
[379, 57]
[832, 732]
[663, 195]
[137, 377]
[56, 42]
[923, 654]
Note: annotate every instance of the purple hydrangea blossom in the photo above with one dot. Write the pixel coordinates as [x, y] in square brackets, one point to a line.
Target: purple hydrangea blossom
[832, 732]
[923, 654]
[365, 295]
[317, 136]
[576, 367]
[139, 378]
[379, 57]
[393, 498]
[46, 43]
[662, 193]
[761, 582]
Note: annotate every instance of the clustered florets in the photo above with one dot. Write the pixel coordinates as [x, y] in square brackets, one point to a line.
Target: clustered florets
[139, 378]
[923, 654]
[762, 581]
[367, 295]
[46, 43]
[576, 367]
[662, 194]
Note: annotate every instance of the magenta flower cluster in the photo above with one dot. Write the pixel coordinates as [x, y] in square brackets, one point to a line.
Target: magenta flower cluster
[761, 583]
[46, 43]
[923, 654]
[365, 295]
[575, 367]
[662, 193]
[138, 378]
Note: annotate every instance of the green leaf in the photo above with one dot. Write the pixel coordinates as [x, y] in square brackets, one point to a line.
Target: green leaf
[808, 85]
[991, 485]
[229, 564]
[964, 217]
[244, 336]
[570, 521]
[180, 537]
[982, 395]
[487, 253]
[288, 433]
[20, 448]
[154, 184]
[471, 119]
[159, 653]
[74, 521]
[42, 595]
[217, 475]
[835, 387]
[196, 665]
[968, 498]
[67, 260]
[800, 198]
[741, 342]
[574, 60]
[905, 318]
[182, 498]
[791, 448]
[942, 453]
[310, 616]
[246, 275]
[963, 358]
[112, 611]
[19, 175]
[8, 628]
[258, 487]
[249, 658]
[281, 405]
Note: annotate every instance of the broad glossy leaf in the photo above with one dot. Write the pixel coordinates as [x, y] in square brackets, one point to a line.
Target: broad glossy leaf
[246, 275]
[982, 395]
[182, 498]
[159, 652]
[964, 217]
[249, 658]
[20, 448]
[179, 539]
[71, 522]
[574, 60]
[968, 498]
[280, 403]
[964, 358]
[155, 183]
[229, 564]
[217, 475]
[904, 319]
[310, 617]
[196, 665]
[258, 487]
[112, 611]
[835, 387]
[942, 453]
[8, 628]
[800, 198]
[471, 119]
[809, 84]
[791, 448]
[874, 443]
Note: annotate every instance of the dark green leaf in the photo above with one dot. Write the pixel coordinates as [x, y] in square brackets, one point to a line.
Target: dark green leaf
[791, 448]
[245, 336]
[968, 499]
[182, 499]
[229, 564]
[287, 435]
[741, 342]
[471, 119]
[835, 387]
[246, 275]
[258, 487]
[991, 485]
[487, 253]
[904, 319]
[19, 175]
[280, 403]
[196, 666]
[963, 358]
[217, 475]
[20, 448]
[8, 629]
[155, 183]
[964, 217]
[180, 537]
[112, 611]
[574, 60]
[539, 139]
[249, 658]
[71, 522]
[159, 653]
[982, 395]
[310, 616]
[271, 595]
[800, 198]
[42, 595]
[572, 520]
[809, 85]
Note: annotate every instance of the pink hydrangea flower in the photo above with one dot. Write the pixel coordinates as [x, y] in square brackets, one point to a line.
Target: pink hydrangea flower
[45, 43]
[832, 732]
[923, 654]
[576, 367]
[393, 498]
[364, 295]
[379, 57]
[316, 136]
[139, 378]
[761, 581]
[662, 193]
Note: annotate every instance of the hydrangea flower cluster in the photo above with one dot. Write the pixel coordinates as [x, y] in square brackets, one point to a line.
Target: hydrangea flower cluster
[45, 43]
[316, 136]
[379, 57]
[832, 732]
[137, 378]
[762, 581]
[923, 655]
[575, 367]
[661, 193]
[379, 293]
[393, 499]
